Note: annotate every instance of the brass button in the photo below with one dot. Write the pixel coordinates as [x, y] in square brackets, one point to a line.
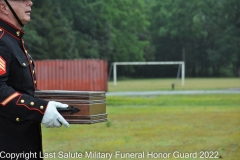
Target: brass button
[0, 30]
[22, 101]
[41, 107]
[33, 71]
[35, 82]
[24, 64]
[31, 61]
[18, 33]
[17, 119]
[32, 103]
[26, 51]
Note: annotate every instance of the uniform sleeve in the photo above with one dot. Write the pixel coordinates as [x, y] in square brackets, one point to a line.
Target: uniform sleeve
[14, 105]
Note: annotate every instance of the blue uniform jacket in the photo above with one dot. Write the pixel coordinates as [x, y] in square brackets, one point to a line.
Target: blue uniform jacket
[20, 112]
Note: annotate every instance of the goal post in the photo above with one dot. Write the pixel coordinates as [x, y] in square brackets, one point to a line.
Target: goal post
[115, 64]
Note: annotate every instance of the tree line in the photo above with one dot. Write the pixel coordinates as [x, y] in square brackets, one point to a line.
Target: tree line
[203, 33]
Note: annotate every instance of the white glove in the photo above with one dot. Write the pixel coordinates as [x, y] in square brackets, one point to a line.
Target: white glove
[52, 118]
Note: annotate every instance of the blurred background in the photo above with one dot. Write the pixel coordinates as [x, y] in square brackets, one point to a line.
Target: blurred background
[75, 42]
[205, 34]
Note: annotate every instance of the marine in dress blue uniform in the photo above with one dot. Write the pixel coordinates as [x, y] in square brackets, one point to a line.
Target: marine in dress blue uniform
[21, 114]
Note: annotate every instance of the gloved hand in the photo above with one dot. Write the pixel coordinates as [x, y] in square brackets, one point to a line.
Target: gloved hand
[52, 118]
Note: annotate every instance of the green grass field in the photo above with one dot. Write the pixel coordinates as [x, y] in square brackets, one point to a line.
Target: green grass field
[166, 84]
[152, 127]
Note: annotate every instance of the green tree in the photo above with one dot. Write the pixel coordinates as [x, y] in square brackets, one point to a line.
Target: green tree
[50, 34]
[206, 30]
[205, 34]
[220, 24]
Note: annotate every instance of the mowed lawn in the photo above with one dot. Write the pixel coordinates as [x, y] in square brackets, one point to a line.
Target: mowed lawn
[166, 84]
[157, 125]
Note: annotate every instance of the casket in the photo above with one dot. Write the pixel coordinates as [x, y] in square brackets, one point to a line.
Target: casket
[85, 107]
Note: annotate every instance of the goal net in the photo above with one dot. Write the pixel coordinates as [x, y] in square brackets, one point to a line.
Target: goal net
[180, 63]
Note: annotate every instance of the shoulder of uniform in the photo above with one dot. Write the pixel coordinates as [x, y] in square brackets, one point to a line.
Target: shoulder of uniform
[1, 32]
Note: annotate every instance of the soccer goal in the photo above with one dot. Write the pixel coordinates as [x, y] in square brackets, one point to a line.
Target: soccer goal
[180, 63]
